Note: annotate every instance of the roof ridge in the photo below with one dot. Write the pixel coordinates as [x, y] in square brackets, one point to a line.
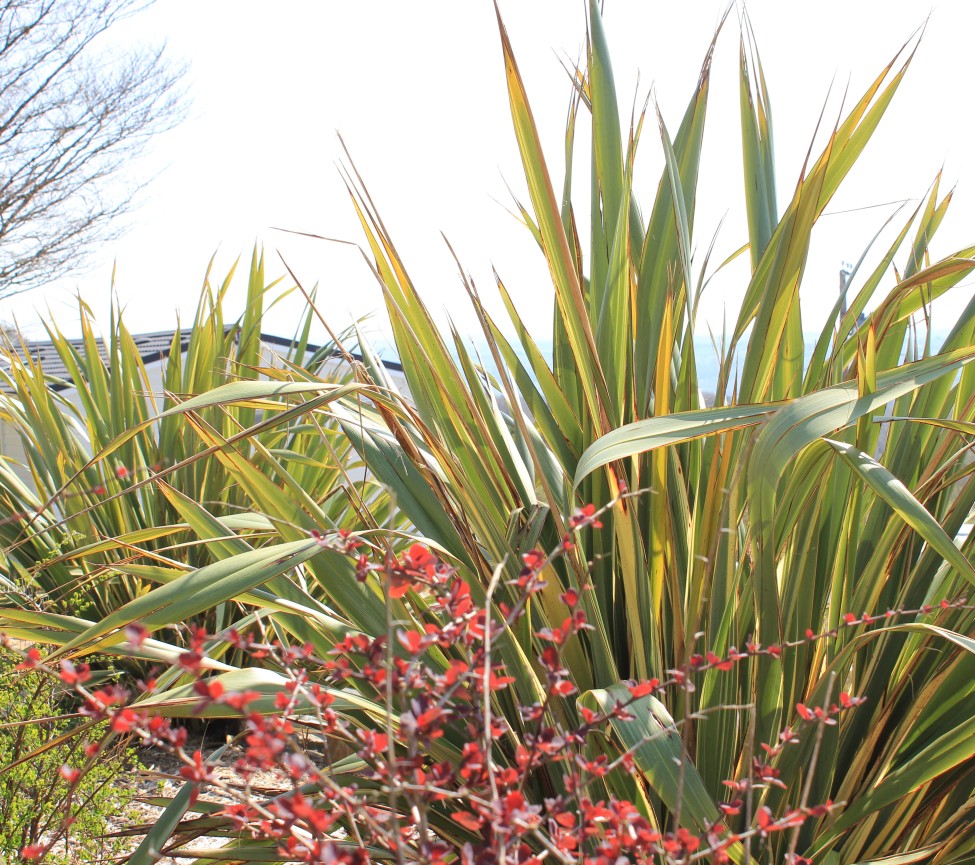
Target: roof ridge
[153, 347]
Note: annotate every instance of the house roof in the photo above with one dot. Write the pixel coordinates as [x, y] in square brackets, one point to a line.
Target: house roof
[153, 347]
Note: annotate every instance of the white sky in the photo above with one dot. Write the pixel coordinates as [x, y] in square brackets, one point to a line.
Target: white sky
[417, 90]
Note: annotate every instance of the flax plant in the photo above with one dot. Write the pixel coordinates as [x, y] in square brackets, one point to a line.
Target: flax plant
[106, 504]
[811, 511]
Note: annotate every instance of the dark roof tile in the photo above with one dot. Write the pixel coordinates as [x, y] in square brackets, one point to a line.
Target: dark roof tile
[152, 347]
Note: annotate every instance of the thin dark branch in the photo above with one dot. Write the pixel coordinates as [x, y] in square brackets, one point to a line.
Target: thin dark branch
[72, 114]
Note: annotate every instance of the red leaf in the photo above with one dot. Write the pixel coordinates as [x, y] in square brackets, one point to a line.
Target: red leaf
[563, 688]
[31, 659]
[566, 819]
[124, 720]
[468, 820]
[412, 641]
[641, 689]
[399, 585]
[570, 597]
[239, 699]
[197, 771]
[419, 558]
[211, 690]
[805, 712]
[190, 661]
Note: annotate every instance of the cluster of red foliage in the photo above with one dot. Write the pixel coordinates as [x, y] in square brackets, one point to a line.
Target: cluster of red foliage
[443, 779]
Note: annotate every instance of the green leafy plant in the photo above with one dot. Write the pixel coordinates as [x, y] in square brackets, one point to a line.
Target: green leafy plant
[37, 793]
[116, 476]
[808, 492]
[811, 497]
[441, 776]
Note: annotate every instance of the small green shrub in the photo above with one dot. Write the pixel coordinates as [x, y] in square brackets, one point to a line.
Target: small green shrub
[35, 796]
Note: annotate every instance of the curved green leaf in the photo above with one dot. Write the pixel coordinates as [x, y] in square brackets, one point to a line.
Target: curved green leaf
[197, 591]
[899, 497]
[645, 435]
[657, 752]
[147, 853]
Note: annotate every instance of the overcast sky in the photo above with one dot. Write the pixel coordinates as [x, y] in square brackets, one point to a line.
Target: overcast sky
[417, 91]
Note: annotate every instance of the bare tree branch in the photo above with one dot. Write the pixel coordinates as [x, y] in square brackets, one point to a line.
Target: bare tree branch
[72, 114]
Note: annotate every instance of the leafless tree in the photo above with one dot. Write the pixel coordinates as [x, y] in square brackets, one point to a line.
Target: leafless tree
[73, 111]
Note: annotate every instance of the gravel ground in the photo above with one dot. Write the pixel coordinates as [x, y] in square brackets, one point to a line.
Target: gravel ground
[159, 777]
